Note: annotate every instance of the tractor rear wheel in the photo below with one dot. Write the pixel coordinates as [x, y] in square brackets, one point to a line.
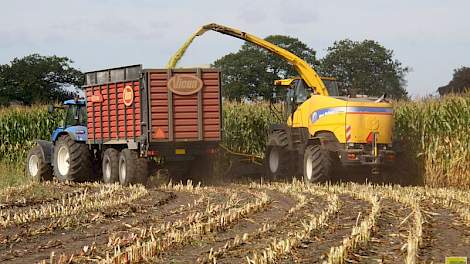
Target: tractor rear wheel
[317, 164]
[110, 165]
[36, 166]
[72, 160]
[132, 169]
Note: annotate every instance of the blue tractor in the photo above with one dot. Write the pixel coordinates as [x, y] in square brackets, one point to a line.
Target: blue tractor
[66, 156]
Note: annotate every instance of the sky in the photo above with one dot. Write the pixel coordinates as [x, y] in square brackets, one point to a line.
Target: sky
[431, 37]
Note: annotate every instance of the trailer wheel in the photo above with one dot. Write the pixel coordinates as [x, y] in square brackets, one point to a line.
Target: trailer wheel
[36, 166]
[132, 169]
[72, 160]
[110, 165]
[317, 164]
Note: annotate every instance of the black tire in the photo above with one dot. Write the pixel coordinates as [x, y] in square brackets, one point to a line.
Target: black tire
[279, 163]
[36, 167]
[110, 166]
[202, 169]
[79, 160]
[178, 170]
[317, 164]
[132, 169]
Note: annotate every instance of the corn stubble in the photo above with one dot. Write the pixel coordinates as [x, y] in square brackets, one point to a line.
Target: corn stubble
[208, 218]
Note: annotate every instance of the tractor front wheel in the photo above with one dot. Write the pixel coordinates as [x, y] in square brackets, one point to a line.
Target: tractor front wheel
[36, 166]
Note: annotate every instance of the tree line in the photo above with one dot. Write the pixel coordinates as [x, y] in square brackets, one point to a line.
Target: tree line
[360, 67]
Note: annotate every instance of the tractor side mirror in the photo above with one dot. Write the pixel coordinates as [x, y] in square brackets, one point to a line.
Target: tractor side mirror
[50, 108]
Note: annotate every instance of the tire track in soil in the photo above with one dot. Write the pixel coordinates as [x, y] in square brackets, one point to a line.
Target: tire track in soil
[388, 236]
[13, 204]
[316, 248]
[220, 196]
[147, 212]
[36, 248]
[445, 234]
[279, 207]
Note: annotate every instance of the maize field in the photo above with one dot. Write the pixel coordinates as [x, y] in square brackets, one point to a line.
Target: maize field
[253, 222]
[436, 135]
[21, 126]
[249, 221]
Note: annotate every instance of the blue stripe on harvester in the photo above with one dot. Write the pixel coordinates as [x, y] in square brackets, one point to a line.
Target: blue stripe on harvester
[343, 109]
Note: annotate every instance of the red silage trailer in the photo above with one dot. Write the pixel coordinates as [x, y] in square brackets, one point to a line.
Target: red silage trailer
[135, 113]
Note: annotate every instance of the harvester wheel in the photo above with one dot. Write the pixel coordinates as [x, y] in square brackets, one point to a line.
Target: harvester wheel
[72, 160]
[178, 170]
[202, 169]
[278, 160]
[36, 166]
[110, 165]
[132, 169]
[317, 164]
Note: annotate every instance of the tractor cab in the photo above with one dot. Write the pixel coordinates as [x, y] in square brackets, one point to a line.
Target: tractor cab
[75, 120]
[76, 114]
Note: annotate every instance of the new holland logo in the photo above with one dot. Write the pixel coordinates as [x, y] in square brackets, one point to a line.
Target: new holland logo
[185, 84]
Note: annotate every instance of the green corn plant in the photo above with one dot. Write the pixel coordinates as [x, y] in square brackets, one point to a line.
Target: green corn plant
[436, 133]
[245, 126]
[21, 126]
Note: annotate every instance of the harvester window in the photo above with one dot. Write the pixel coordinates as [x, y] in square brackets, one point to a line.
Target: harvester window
[302, 92]
[332, 87]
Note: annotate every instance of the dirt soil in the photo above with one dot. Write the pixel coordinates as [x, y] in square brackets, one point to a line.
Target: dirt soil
[120, 230]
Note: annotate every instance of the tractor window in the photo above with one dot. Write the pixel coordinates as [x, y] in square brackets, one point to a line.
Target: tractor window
[75, 116]
[82, 117]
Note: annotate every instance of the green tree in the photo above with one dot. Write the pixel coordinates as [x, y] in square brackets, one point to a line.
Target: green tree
[366, 68]
[250, 72]
[460, 82]
[37, 78]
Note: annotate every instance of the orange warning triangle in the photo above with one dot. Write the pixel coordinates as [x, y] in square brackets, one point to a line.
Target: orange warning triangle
[159, 133]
